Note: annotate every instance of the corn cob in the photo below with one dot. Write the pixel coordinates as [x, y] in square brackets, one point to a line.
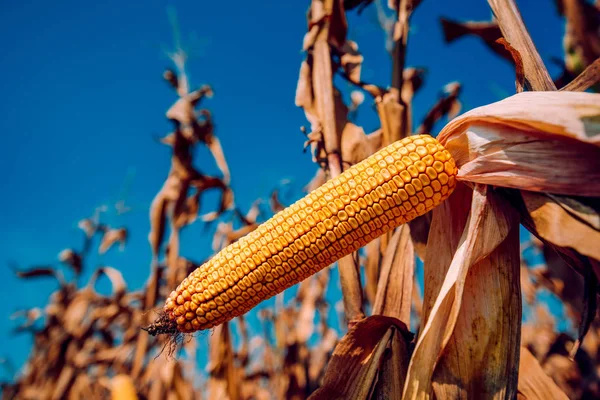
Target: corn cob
[393, 186]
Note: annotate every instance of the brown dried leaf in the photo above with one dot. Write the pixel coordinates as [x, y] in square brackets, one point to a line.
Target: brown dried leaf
[355, 145]
[488, 31]
[72, 259]
[188, 212]
[226, 203]
[37, 272]
[539, 335]
[353, 368]
[274, 202]
[533, 381]
[351, 60]
[112, 236]
[319, 179]
[158, 216]
[394, 291]
[390, 113]
[65, 378]
[520, 72]
[116, 279]
[88, 226]
[528, 287]
[565, 373]
[484, 349]
[372, 268]
[224, 381]
[448, 105]
[393, 370]
[479, 251]
[214, 145]
[550, 221]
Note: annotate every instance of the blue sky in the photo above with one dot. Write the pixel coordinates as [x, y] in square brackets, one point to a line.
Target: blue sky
[83, 98]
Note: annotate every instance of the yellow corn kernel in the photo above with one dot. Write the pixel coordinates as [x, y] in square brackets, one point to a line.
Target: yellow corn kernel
[398, 183]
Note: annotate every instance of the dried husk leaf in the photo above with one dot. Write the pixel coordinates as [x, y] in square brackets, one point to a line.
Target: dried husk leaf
[482, 355]
[447, 225]
[534, 384]
[353, 369]
[494, 144]
[488, 226]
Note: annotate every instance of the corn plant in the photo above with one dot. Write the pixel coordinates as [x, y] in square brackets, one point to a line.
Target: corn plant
[378, 203]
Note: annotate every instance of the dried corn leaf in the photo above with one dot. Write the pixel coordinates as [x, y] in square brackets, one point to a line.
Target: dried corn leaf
[448, 105]
[519, 69]
[565, 373]
[88, 226]
[351, 60]
[394, 291]
[356, 145]
[488, 226]
[353, 369]
[371, 266]
[224, 382]
[116, 279]
[226, 202]
[533, 381]
[548, 219]
[319, 179]
[72, 259]
[275, 203]
[390, 113]
[38, 272]
[483, 352]
[214, 145]
[188, 212]
[539, 334]
[112, 236]
[494, 144]
[488, 31]
[448, 223]
[528, 287]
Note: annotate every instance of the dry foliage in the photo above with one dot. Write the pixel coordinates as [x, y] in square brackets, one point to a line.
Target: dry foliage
[530, 159]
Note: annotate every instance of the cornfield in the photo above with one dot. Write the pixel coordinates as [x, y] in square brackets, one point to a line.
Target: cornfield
[349, 316]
